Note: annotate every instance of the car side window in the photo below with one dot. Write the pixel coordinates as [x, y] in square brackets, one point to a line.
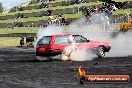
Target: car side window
[61, 40]
[80, 39]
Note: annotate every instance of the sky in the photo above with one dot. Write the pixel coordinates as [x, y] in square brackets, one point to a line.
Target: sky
[8, 4]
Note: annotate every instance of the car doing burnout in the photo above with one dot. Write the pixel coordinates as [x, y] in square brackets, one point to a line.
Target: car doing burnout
[53, 45]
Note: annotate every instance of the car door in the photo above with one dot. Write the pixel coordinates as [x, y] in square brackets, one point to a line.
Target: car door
[60, 42]
[82, 42]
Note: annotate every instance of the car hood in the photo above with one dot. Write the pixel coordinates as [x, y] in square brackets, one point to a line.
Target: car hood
[100, 43]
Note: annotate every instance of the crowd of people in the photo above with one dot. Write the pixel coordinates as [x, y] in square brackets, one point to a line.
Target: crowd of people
[58, 20]
[104, 8]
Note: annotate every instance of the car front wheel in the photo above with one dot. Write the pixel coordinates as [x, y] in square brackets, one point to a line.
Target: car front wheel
[100, 52]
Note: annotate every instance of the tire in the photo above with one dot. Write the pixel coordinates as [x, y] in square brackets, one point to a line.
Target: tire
[100, 52]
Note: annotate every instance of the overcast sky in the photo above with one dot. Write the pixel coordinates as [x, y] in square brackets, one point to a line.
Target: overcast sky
[7, 4]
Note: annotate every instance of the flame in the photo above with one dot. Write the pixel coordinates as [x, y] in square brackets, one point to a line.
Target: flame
[81, 71]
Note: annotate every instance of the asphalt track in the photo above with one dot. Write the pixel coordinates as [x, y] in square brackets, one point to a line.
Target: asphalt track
[20, 69]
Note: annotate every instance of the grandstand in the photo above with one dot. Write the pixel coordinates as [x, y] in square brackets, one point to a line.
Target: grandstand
[31, 16]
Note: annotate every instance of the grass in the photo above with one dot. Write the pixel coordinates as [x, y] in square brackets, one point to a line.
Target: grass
[9, 41]
[24, 30]
[75, 15]
[122, 11]
[121, 0]
[45, 3]
[54, 8]
[35, 29]
[33, 19]
[24, 19]
[19, 30]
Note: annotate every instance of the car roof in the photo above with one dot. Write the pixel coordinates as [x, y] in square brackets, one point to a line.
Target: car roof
[62, 34]
[59, 34]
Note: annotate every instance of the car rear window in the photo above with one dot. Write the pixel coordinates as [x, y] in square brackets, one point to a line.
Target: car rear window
[44, 40]
[61, 40]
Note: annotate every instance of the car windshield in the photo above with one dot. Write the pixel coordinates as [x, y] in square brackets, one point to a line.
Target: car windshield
[44, 40]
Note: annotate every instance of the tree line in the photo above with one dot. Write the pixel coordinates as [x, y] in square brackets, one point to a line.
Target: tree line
[1, 8]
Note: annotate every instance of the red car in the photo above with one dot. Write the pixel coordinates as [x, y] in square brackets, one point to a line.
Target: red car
[54, 44]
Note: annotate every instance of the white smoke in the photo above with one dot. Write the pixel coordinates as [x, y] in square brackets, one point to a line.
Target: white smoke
[121, 44]
[49, 30]
[82, 55]
[9, 4]
[93, 29]
[74, 54]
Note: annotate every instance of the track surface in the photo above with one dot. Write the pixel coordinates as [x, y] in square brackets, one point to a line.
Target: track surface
[19, 69]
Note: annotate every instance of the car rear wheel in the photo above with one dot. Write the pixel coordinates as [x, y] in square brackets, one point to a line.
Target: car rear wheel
[101, 52]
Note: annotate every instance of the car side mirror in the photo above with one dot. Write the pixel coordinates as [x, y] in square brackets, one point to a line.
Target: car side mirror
[88, 40]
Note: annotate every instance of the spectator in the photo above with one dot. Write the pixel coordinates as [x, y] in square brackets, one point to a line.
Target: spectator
[57, 20]
[49, 10]
[42, 6]
[78, 1]
[114, 8]
[17, 9]
[87, 14]
[109, 13]
[50, 20]
[22, 42]
[96, 9]
[64, 21]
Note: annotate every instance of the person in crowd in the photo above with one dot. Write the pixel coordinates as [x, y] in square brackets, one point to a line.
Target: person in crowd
[64, 21]
[58, 19]
[42, 6]
[22, 41]
[109, 13]
[114, 8]
[49, 10]
[96, 9]
[50, 20]
[17, 9]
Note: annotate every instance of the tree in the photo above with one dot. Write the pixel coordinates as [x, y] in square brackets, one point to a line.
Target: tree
[1, 8]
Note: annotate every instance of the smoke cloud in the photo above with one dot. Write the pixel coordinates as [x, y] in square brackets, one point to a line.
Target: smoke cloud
[98, 28]
[93, 29]
[121, 45]
[49, 30]
[9, 4]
